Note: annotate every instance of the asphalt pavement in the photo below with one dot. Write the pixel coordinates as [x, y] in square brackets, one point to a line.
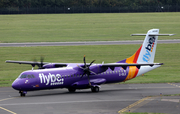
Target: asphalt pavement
[81, 43]
[112, 99]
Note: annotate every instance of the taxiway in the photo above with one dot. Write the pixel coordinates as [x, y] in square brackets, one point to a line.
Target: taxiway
[81, 43]
[112, 99]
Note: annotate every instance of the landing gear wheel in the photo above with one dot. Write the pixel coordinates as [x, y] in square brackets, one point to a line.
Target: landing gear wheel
[22, 93]
[71, 90]
[95, 89]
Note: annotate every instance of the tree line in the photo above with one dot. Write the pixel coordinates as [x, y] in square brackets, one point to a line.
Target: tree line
[85, 3]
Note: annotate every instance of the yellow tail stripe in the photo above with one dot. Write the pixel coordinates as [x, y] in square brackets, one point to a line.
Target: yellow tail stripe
[131, 74]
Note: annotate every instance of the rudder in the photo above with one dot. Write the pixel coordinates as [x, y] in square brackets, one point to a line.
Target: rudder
[148, 50]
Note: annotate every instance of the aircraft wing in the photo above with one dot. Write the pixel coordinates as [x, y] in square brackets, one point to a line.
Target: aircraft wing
[125, 65]
[33, 63]
[56, 65]
[26, 62]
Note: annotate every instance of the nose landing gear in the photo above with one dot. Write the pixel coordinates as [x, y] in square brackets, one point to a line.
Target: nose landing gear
[23, 93]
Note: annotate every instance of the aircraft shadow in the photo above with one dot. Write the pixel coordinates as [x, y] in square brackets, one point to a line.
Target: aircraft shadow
[82, 92]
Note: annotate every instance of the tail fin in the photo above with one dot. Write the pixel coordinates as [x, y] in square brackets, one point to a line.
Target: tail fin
[149, 45]
[146, 53]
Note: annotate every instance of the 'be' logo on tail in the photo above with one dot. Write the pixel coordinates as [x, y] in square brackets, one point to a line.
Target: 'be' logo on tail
[149, 49]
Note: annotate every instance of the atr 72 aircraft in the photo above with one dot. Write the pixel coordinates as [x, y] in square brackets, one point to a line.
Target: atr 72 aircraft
[88, 75]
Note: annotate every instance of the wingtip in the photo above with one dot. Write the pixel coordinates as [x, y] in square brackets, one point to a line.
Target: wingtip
[172, 34]
[7, 61]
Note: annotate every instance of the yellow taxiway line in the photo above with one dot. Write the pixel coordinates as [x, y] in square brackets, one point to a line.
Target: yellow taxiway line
[5, 108]
[134, 104]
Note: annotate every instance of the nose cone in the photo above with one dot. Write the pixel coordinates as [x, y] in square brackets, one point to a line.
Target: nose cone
[15, 85]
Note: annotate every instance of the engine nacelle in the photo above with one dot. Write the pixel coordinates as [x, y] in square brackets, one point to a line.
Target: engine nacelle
[52, 65]
[98, 68]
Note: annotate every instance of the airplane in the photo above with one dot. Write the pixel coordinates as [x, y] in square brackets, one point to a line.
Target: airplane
[84, 75]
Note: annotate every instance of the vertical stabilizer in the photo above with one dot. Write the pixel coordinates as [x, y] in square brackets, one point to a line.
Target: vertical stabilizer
[146, 53]
[149, 45]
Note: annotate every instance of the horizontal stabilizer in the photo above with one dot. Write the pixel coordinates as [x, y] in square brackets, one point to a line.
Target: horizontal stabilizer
[152, 34]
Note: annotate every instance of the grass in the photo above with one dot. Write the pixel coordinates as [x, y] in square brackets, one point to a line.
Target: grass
[165, 53]
[85, 27]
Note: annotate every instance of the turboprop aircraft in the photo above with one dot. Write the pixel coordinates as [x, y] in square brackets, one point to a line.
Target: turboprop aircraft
[84, 75]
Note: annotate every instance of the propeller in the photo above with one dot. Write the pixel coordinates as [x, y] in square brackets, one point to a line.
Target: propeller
[86, 69]
[40, 65]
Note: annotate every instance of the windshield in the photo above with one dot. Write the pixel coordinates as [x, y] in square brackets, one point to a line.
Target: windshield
[26, 76]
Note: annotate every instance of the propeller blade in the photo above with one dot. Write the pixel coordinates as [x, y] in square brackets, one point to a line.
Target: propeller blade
[93, 72]
[41, 65]
[80, 67]
[35, 62]
[89, 81]
[91, 62]
[83, 74]
[84, 59]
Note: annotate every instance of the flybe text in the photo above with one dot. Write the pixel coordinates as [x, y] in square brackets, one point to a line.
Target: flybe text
[51, 79]
[149, 49]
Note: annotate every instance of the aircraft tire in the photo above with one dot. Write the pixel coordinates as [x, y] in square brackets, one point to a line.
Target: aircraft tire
[95, 89]
[71, 90]
[22, 94]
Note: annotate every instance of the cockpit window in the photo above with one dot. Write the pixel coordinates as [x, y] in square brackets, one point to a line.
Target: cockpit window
[23, 76]
[27, 76]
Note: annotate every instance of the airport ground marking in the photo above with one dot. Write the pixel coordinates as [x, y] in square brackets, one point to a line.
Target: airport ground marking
[5, 108]
[63, 102]
[134, 104]
[7, 99]
[174, 85]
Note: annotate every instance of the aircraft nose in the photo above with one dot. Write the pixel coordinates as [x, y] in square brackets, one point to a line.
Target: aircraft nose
[15, 85]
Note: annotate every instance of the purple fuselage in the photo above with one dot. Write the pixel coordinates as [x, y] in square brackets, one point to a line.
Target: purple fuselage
[67, 77]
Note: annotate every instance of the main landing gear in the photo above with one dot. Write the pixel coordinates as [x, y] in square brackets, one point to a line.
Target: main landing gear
[95, 88]
[22, 93]
[71, 90]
